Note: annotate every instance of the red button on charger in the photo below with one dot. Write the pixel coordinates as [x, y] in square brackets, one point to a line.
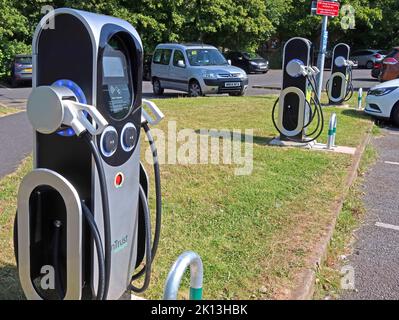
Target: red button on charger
[119, 180]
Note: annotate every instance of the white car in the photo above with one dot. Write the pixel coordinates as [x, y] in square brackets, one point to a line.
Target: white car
[383, 101]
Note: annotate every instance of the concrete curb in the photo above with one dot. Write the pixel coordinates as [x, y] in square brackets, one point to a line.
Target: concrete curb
[304, 290]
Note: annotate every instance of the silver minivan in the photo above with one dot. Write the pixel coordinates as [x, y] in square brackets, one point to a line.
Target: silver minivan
[197, 69]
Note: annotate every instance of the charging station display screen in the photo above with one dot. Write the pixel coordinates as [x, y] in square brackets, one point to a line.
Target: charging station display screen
[117, 81]
[113, 67]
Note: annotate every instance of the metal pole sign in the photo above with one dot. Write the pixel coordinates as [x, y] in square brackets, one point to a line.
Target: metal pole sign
[325, 9]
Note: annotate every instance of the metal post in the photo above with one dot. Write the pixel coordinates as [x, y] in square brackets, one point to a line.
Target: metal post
[331, 131]
[322, 54]
[176, 273]
[360, 98]
[335, 131]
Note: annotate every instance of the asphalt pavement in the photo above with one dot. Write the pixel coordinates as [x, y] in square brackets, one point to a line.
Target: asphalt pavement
[375, 259]
[15, 142]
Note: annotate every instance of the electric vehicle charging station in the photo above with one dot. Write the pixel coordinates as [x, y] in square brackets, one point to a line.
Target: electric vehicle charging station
[340, 86]
[83, 210]
[298, 104]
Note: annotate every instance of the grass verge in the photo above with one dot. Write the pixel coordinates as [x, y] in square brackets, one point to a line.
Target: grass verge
[254, 233]
[9, 285]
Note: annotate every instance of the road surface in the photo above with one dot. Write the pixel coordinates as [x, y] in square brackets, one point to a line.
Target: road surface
[15, 143]
[376, 252]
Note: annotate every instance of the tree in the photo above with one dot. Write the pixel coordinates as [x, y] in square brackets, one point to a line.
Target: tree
[13, 34]
[371, 28]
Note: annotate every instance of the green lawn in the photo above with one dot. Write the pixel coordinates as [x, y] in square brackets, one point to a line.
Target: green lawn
[254, 233]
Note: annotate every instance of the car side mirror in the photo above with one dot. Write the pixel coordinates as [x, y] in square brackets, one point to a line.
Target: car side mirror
[181, 64]
[229, 62]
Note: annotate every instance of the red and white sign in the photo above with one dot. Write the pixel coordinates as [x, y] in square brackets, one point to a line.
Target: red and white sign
[328, 8]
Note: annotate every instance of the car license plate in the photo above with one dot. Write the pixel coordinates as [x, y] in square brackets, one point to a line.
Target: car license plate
[232, 84]
[28, 70]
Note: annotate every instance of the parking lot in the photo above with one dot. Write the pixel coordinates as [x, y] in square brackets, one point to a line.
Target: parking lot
[259, 84]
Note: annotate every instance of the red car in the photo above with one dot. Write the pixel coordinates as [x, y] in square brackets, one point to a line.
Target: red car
[389, 67]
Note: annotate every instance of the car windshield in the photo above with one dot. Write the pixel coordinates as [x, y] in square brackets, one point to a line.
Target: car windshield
[23, 60]
[392, 53]
[205, 57]
[251, 56]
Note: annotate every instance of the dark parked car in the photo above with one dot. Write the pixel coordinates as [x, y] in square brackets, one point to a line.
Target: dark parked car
[250, 62]
[21, 69]
[147, 67]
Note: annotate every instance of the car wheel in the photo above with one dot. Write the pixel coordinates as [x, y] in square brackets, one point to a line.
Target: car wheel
[237, 93]
[395, 114]
[157, 88]
[194, 89]
[370, 65]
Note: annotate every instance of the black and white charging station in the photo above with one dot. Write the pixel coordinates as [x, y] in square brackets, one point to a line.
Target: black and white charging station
[83, 210]
[297, 106]
[340, 86]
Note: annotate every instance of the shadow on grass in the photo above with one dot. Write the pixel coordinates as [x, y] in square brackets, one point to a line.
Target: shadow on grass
[223, 134]
[358, 114]
[10, 288]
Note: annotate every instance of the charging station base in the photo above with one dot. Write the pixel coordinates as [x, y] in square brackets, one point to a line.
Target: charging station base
[312, 146]
[286, 143]
[335, 149]
[130, 296]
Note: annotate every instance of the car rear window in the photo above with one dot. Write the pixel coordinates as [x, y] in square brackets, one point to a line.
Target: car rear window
[23, 60]
[162, 56]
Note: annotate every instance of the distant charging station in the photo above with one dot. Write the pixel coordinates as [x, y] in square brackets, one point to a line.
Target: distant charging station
[82, 212]
[298, 105]
[340, 86]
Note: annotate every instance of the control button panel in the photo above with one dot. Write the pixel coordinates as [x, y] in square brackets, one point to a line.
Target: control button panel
[128, 137]
[109, 141]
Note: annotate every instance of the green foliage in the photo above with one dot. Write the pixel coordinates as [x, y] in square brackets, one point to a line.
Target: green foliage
[13, 33]
[377, 24]
[228, 24]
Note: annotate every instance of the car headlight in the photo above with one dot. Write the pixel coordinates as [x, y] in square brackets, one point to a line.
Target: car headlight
[381, 91]
[253, 63]
[209, 75]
